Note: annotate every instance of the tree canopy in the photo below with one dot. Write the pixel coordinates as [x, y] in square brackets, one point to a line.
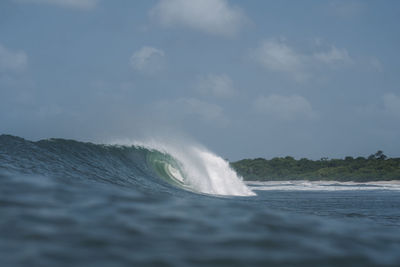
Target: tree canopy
[374, 168]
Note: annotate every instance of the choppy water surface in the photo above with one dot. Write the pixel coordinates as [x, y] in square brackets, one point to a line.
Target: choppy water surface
[66, 203]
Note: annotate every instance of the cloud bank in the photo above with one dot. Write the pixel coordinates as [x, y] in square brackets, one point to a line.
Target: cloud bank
[220, 86]
[14, 61]
[278, 56]
[209, 16]
[192, 109]
[148, 59]
[79, 4]
[391, 103]
[285, 107]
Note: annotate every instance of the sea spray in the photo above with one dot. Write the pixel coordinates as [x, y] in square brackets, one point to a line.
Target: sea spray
[200, 170]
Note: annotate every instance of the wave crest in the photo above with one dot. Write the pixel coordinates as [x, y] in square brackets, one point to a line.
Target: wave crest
[195, 168]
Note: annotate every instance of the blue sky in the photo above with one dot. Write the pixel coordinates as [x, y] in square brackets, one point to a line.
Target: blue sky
[245, 78]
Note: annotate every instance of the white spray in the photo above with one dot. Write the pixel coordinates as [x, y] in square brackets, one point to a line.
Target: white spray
[203, 171]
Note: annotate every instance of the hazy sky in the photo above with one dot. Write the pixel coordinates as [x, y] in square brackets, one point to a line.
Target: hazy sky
[244, 78]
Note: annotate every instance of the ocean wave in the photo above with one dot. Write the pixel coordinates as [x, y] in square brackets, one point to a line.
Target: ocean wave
[147, 165]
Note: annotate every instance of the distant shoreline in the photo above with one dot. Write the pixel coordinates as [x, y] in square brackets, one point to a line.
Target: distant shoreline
[377, 167]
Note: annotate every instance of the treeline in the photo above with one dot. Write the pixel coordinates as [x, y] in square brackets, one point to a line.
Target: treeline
[376, 167]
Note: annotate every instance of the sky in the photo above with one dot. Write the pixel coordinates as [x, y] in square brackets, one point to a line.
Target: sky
[246, 79]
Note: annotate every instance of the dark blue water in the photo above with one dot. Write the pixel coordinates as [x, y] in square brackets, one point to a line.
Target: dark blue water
[65, 203]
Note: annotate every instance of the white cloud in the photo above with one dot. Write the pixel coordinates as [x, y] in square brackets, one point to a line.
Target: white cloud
[376, 64]
[206, 111]
[216, 85]
[346, 9]
[209, 16]
[389, 107]
[12, 60]
[278, 56]
[80, 4]
[190, 108]
[333, 56]
[391, 103]
[148, 59]
[285, 107]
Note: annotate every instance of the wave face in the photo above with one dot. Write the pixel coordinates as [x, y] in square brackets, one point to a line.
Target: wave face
[150, 166]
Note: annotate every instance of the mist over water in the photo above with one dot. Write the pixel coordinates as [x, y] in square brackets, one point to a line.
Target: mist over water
[199, 169]
[64, 202]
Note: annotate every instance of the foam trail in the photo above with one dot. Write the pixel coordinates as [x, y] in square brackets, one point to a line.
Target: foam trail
[323, 185]
[203, 171]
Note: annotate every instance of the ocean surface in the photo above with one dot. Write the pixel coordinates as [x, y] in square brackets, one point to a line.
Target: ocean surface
[68, 203]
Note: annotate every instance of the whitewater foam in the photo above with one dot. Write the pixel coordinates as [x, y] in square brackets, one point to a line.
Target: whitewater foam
[323, 185]
[202, 171]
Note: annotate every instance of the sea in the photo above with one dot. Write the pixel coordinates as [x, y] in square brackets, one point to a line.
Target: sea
[156, 203]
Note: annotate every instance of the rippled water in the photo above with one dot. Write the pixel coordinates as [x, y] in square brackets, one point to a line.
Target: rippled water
[57, 208]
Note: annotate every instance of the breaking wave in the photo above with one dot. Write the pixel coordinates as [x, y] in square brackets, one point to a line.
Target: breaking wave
[187, 166]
